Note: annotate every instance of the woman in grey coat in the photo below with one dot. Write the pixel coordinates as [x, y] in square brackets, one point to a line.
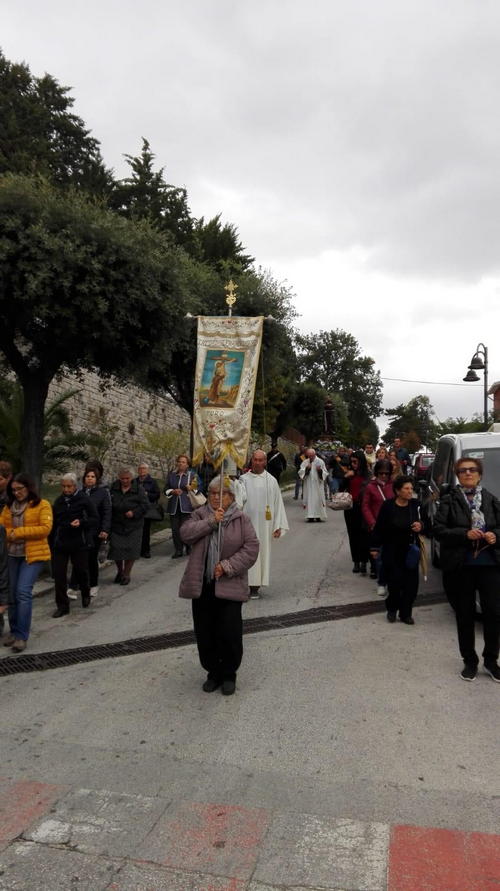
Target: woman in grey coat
[223, 548]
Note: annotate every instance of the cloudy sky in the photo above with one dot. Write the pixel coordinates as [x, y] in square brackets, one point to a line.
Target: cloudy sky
[356, 145]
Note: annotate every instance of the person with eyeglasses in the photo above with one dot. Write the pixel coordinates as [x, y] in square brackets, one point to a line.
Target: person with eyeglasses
[378, 490]
[27, 519]
[467, 525]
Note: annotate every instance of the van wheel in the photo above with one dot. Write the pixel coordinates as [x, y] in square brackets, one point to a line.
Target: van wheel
[434, 554]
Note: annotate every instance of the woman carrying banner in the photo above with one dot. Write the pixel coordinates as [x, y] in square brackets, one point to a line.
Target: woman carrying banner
[223, 547]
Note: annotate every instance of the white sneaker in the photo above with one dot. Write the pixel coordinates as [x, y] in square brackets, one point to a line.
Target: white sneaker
[381, 591]
[72, 594]
[94, 591]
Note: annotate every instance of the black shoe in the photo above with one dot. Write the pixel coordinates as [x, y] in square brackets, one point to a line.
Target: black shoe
[146, 556]
[469, 673]
[391, 617]
[407, 621]
[86, 601]
[117, 579]
[59, 613]
[310, 520]
[228, 688]
[188, 550]
[373, 575]
[174, 556]
[125, 580]
[210, 685]
[355, 568]
[493, 670]
[362, 568]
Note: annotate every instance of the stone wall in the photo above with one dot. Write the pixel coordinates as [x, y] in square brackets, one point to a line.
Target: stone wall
[100, 405]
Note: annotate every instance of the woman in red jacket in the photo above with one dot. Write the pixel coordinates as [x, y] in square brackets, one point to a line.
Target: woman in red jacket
[354, 482]
[378, 490]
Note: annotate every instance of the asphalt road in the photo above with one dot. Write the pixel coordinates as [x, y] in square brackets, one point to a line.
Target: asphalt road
[353, 719]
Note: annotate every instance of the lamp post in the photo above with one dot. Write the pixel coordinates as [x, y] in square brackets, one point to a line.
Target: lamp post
[479, 362]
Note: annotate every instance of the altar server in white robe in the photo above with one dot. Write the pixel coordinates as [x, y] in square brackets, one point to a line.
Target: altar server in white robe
[313, 472]
[264, 506]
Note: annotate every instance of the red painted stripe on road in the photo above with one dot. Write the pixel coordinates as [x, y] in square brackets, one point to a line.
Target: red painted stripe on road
[21, 804]
[423, 859]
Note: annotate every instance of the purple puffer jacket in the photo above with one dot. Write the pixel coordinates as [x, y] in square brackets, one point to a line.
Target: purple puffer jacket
[239, 552]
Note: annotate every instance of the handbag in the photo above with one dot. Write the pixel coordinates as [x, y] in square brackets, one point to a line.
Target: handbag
[341, 501]
[155, 512]
[412, 556]
[196, 499]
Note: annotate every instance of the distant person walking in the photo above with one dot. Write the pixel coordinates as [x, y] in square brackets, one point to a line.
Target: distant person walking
[276, 462]
[153, 493]
[179, 482]
[355, 480]
[264, 506]
[100, 497]
[313, 472]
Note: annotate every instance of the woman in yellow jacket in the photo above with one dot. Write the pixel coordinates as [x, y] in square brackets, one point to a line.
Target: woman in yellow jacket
[28, 520]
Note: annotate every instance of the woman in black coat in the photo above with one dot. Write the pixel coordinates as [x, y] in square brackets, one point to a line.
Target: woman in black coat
[396, 524]
[100, 497]
[356, 477]
[467, 524]
[72, 536]
[129, 504]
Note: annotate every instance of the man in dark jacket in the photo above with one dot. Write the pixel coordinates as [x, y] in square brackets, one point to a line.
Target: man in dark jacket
[276, 462]
[152, 490]
[75, 522]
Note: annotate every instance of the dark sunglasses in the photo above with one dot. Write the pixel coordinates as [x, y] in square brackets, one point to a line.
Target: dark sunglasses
[467, 470]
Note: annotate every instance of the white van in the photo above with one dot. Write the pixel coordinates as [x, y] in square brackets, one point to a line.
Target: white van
[450, 448]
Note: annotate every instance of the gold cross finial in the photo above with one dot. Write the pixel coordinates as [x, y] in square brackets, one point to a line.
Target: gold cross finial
[230, 289]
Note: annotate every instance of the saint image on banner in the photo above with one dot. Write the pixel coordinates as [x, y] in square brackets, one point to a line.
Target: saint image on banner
[221, 377]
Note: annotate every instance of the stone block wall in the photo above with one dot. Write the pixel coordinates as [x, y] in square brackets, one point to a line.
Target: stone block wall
[100, 405]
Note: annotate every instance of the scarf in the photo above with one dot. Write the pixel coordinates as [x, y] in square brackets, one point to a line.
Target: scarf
[213, 554]
[17, 508]
[473, 498]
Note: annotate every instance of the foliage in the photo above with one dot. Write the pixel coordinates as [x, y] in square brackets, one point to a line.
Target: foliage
[332, 360]
[417, 416]
[41, 135]
[308, 410]
[462, 425]
[80, 287]
[145, 195]
[220, 246]
[163, 447]
[62, 446]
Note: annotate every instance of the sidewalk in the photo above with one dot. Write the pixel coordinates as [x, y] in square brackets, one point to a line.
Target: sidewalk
[55, 837]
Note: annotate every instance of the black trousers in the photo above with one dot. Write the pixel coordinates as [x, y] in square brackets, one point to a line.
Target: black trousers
[176, 521]
[146, 532]
[93, 565]
[218, 627]
[462, 585]
[60, 561]
[358, 535]
[402, 585]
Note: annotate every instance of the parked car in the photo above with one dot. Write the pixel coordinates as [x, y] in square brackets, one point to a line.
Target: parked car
[421, 465]
[450, 448]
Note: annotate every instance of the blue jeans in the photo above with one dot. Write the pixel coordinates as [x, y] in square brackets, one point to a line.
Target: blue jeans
[22, 577]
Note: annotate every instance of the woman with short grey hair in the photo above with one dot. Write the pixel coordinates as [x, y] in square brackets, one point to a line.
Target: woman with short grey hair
[129, 504]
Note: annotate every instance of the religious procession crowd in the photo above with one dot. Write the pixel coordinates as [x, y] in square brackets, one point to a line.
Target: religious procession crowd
[227, 524]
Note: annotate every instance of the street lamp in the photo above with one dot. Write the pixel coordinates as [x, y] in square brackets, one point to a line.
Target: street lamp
[479, 362]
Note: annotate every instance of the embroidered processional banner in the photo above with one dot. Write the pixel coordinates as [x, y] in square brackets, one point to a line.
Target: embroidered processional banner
[226, 372]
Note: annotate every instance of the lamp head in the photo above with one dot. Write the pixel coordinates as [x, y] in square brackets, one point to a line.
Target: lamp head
[471, 376]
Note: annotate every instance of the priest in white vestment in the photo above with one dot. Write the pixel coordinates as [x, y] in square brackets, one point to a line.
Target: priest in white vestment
[313, 472]
[264, 506]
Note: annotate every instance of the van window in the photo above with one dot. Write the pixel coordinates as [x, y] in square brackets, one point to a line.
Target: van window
[442, 471]
[491, 465]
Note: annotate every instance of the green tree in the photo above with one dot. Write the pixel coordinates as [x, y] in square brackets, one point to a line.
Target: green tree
[163, 447]
[80, 288]
[415, 415]
[61, 445]
[39, 133]
[146, 195]
[219, 245]
[333, 361]
[308, 410]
